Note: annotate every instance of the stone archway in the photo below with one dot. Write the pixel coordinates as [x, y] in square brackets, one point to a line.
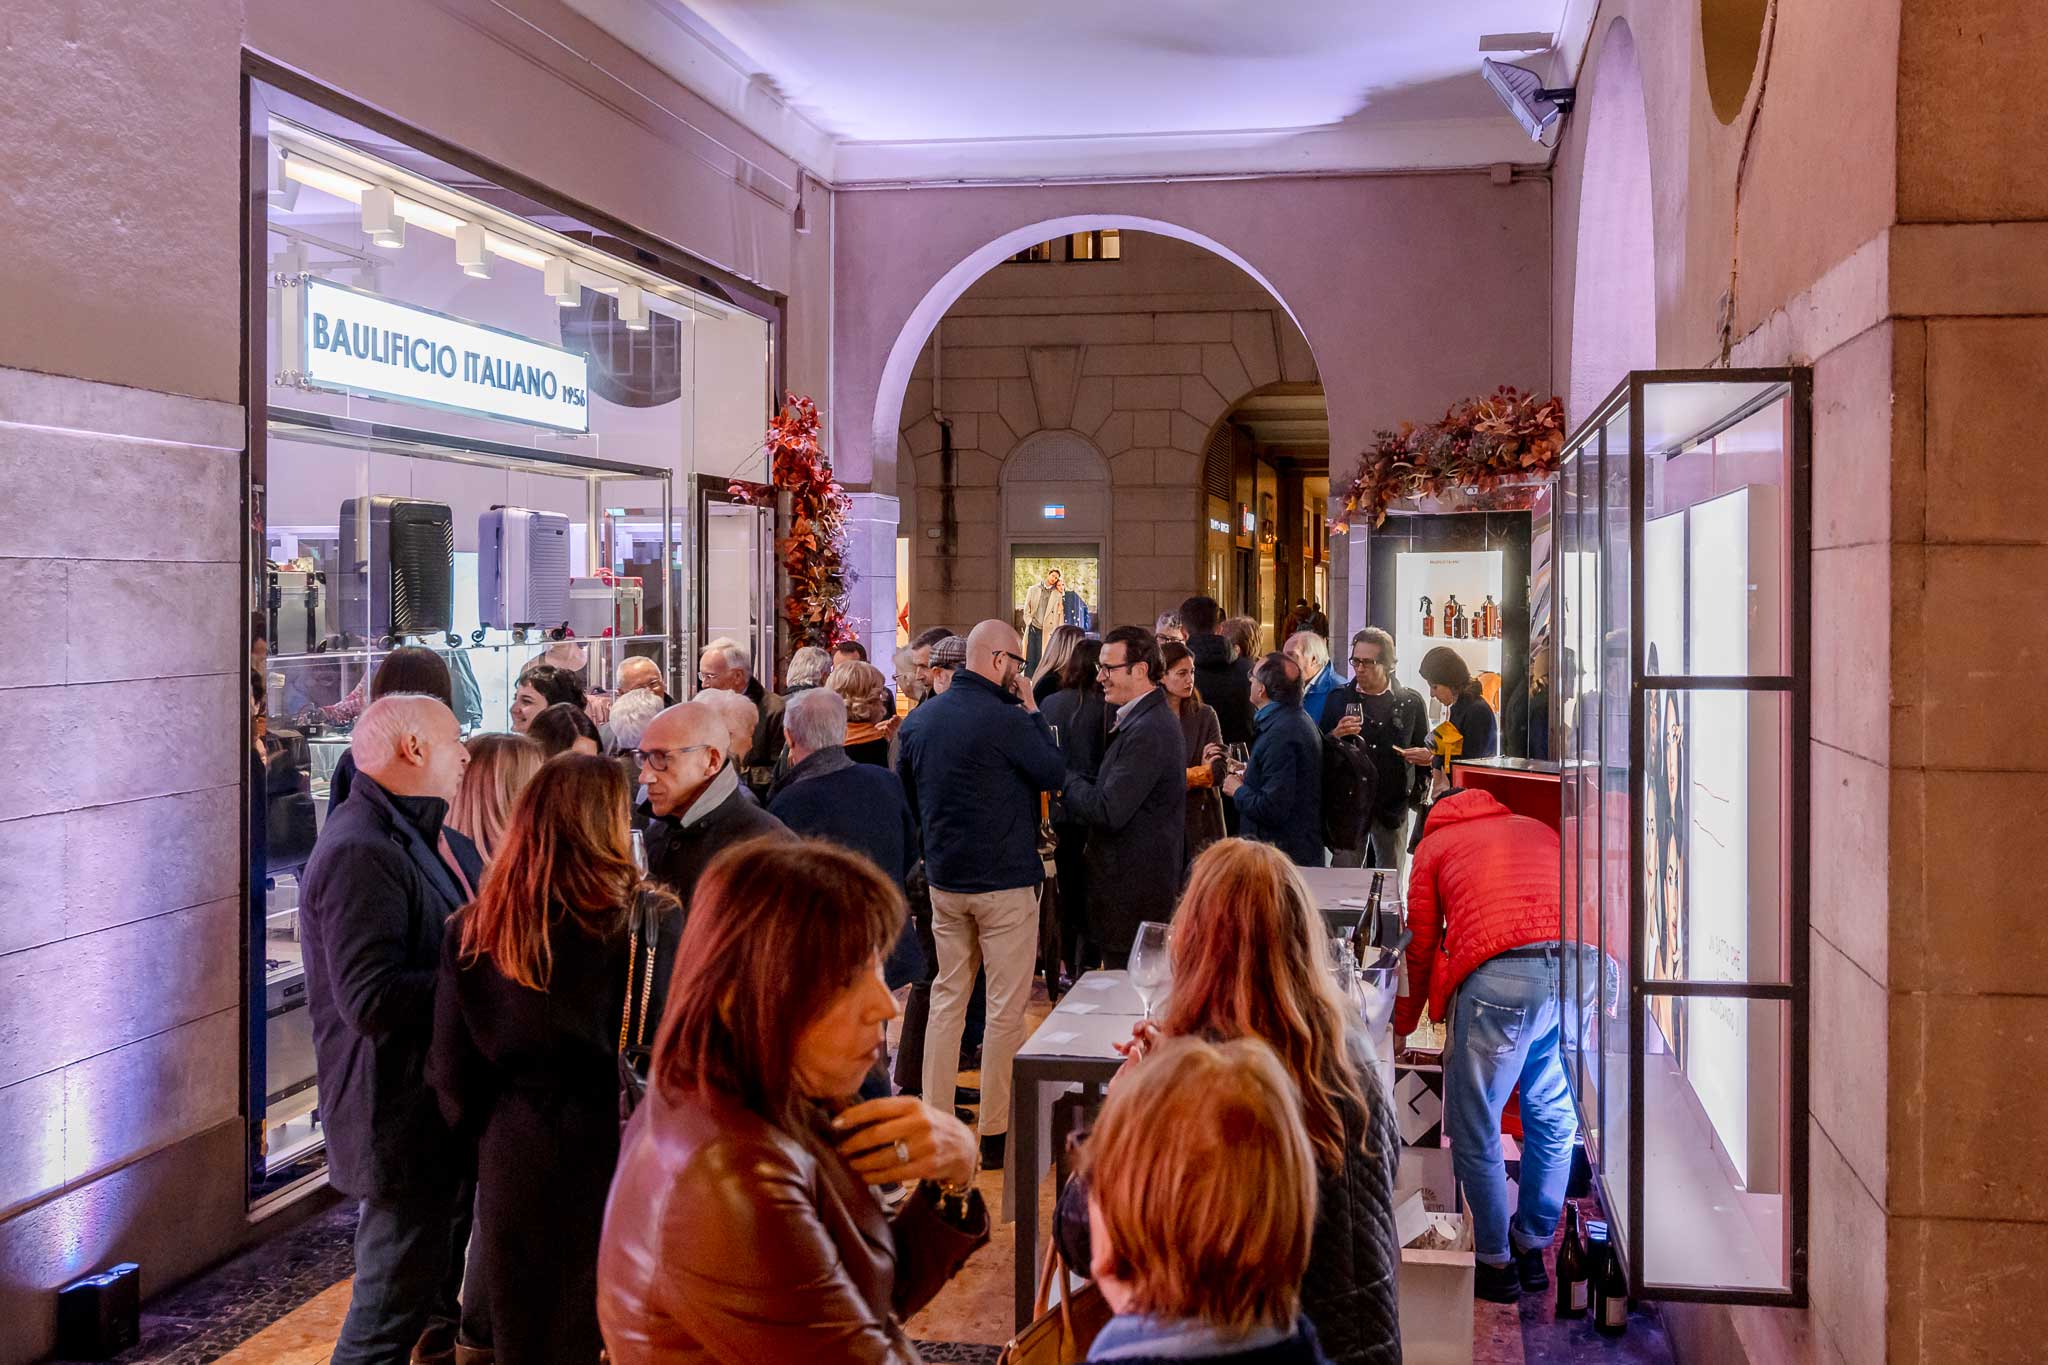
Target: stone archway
[1614, 288]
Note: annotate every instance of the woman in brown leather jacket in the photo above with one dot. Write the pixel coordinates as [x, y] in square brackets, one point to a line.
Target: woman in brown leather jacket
[745, 1224]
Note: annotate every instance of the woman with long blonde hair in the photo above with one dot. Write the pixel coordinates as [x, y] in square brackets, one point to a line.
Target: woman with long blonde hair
[499, 768]
[1059, 647]
[543, 977]
[1252, 959]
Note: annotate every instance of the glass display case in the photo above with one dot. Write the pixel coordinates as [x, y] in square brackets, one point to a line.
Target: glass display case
[494, 557]
[1681, 708]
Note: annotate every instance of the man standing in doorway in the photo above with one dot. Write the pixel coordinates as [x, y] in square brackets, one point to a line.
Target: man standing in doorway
[1371, 712]
[973, 764]
[1045, 607]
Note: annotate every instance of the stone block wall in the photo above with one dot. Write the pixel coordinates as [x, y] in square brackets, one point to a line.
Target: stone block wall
[121, 721]
[1141, 357]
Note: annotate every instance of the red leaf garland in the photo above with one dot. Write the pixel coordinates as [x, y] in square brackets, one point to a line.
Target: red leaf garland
[1480, 443]
[813, 552]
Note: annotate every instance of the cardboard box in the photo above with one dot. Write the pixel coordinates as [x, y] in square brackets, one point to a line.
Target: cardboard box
[1435, 1286]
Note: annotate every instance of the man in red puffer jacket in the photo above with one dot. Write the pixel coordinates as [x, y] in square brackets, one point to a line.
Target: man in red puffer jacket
[1483, 908]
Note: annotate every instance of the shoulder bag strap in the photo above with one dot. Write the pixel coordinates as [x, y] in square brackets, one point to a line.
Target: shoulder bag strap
[632, 957]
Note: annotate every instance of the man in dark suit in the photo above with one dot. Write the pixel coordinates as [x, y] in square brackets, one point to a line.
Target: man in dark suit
[381, 884]
[697, 805]
[1135, 803]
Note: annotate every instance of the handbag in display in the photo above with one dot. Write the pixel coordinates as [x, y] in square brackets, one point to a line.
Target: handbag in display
[635, 1056]
[605, 605]
[396, 569]
[1062, 1335]
[297, 606]
[522, 570]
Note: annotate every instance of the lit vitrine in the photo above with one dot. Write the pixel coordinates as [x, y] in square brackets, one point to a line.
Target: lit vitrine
[1680, 594]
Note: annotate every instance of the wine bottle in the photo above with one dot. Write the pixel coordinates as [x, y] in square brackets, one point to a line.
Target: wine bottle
[1610, 1296]
[1368, 924]
[1571, 1268]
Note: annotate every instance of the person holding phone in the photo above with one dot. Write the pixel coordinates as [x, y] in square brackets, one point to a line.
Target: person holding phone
[1391, 722]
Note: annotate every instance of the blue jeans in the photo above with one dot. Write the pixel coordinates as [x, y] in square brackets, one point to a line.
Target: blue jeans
[1506, 1029]
[409, 1261]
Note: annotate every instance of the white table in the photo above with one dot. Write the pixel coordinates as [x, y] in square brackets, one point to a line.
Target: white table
[1073, 1046]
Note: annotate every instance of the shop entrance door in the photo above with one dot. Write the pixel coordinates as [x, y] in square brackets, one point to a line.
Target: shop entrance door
[1074, 598]
[735, 562]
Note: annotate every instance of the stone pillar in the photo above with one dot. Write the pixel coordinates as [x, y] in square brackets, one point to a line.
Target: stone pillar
[871, 573]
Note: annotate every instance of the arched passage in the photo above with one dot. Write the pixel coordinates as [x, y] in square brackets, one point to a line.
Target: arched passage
[946, 291]
[1614, 289]
[1136, 357]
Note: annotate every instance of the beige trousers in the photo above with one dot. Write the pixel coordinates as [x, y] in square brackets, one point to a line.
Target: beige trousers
[996, 932]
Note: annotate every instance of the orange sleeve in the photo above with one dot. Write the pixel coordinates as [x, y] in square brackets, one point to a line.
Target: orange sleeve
[1200, 775]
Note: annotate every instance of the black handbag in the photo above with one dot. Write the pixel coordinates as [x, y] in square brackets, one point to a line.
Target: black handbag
[635, 1056]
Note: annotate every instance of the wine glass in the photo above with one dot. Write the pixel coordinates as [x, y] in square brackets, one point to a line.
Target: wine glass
[639, 848]
[1151, 967]
[1239, 756]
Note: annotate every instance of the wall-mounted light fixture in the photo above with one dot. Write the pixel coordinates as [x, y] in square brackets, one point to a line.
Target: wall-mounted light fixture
[558, 278]
[632, 308]
[471, 253]
[381, 223]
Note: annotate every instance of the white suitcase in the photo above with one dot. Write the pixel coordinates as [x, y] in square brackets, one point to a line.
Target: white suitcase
[522, 572]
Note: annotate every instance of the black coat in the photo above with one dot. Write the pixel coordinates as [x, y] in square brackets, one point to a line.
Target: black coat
[1281, 801]
[1082, 719]
[532, 1078]
[758, 765]
[678, 853]
[376, 897]
[1225, 684]
[1395, 719]
[861, 807]
[973, 762]
[1135, 808]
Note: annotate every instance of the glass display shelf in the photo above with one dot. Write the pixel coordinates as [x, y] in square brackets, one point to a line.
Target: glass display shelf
[1681, 593]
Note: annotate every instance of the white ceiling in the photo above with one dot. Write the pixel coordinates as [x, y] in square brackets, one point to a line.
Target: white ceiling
[886, 90]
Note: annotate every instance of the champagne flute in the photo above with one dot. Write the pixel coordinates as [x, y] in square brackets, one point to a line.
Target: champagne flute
[1151, 966]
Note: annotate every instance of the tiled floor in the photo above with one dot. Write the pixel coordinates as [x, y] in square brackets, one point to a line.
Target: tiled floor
[282, 1304]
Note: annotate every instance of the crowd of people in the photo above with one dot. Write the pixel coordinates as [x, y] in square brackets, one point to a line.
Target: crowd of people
[707, 914]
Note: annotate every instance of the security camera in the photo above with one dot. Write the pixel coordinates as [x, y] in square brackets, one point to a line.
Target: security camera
[1523, 92]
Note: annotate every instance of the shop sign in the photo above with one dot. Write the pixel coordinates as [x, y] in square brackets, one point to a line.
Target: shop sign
[1055, 511]
[1219, 526]
[367, 344]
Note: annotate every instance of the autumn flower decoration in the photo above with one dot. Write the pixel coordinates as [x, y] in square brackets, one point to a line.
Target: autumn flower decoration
[1480, 444]
[813, 551]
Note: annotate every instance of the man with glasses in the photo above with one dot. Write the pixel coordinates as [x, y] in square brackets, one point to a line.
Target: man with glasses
[694, 796]
[920, 688]
[728, 665]
[974, 760]
[1135, 803]
[1370, 712]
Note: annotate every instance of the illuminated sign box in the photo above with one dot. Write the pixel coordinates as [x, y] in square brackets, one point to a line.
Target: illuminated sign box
[367, 344]
[1219, 526]
[1055, 511]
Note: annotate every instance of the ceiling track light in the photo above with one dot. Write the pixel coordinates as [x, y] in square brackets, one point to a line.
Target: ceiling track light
[558, 278]
[471, 253]
[381, 223]
[279, 187]
[632, 306]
